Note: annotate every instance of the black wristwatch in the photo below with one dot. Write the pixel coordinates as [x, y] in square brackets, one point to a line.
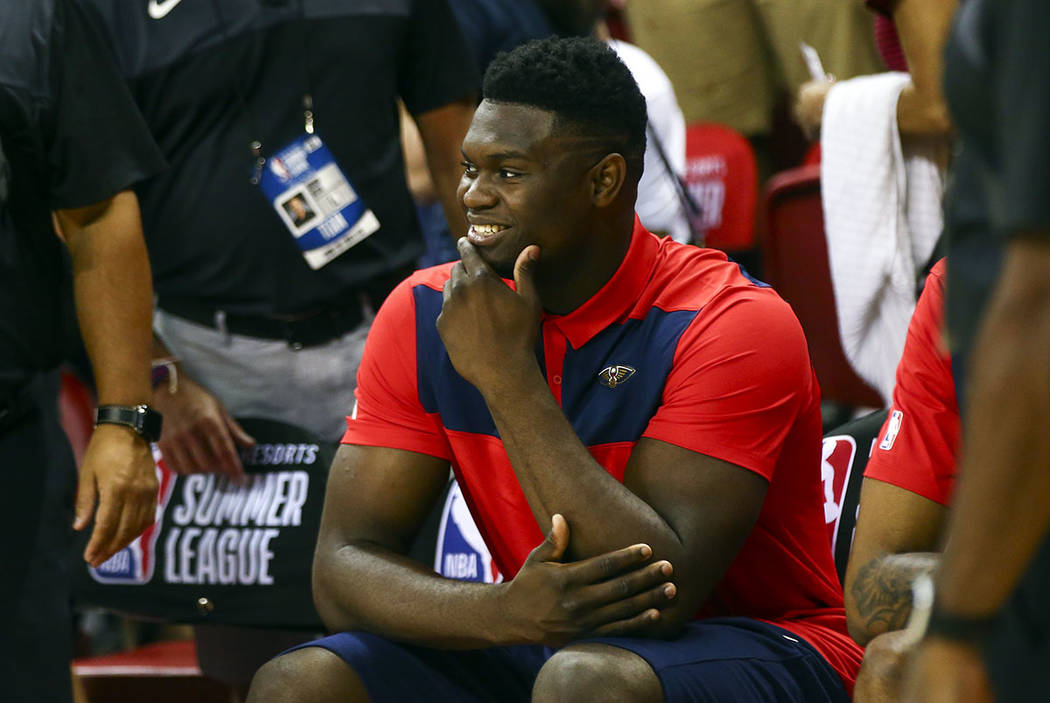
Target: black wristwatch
[141, 418]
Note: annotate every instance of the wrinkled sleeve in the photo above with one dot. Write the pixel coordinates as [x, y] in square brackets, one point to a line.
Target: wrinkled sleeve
[387, 411]
[740, 379]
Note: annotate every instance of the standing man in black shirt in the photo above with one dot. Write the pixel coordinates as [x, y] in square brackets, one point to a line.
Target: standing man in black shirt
[71, 143]
[257, 104]
[989, 631]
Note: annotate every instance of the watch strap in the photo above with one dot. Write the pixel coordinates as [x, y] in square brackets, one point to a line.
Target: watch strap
[142, 418]
[960, 628]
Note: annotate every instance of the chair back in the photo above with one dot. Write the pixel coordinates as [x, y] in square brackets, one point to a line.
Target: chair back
[845, 453]
[795, 260]
[721, 176]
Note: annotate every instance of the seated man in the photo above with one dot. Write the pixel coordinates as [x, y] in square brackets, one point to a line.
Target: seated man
[904, 498]
[643, 402]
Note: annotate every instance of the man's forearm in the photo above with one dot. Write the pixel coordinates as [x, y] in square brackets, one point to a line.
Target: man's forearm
[880, 597]
[114, 295]
[1001, 508]
[559, 475]
[442, 131]
[368, 587]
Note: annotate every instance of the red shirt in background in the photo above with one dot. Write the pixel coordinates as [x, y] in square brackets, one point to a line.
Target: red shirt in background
[917, 445]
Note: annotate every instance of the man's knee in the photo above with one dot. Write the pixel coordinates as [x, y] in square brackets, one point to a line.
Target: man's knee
[308, 674]
[596, 672]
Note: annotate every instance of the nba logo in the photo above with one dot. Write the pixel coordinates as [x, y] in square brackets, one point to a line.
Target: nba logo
[133, 565]
[836, 464]
[280, 170]
[891, 430]
[461, 552]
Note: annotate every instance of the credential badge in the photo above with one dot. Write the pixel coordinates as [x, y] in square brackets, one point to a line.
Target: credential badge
[612, 376]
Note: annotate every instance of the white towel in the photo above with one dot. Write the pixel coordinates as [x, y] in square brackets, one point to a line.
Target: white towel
[882, 216]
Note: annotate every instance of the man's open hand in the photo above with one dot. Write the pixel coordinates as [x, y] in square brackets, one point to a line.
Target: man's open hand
[489, 330]
[199, 434]
[617, 593]
[119, 475]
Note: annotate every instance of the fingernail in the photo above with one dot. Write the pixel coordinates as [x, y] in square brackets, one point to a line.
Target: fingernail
[666, 568]
[670, 590]
[646, 551]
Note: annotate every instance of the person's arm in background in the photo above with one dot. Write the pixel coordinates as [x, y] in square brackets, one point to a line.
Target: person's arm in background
[442, 131]
[908, 479]
[1001, 510]
[417, 175]
[114, 298]
[922, 26]
[897, 534]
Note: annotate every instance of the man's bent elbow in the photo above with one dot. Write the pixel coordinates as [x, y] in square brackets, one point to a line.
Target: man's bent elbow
[859, 630]
[334, 612]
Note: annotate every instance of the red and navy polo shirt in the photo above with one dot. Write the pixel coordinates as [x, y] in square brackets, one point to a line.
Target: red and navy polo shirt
[704, 357]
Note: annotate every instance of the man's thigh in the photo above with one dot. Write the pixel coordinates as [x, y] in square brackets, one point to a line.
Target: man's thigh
[737, 659]
[399, 673]
[725, 660]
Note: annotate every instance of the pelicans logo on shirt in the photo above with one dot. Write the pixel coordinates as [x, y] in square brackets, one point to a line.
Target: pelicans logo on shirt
[612, 376]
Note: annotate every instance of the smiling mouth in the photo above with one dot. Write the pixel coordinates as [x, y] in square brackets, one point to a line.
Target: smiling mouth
[483, 234]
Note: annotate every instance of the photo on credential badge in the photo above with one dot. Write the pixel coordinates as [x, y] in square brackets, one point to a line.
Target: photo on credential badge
[298, 210]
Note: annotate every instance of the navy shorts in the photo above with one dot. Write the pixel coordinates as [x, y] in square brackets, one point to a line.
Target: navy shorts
[723, 659]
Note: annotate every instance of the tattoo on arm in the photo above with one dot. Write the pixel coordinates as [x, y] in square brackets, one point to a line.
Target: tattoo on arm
[882, 589]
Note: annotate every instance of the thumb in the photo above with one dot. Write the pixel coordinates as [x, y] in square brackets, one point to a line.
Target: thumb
[85, 501]
[523, 282]
[557, 541]
[242, 438]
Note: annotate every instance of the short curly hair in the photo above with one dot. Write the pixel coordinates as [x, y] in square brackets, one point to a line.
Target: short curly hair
[583, 82]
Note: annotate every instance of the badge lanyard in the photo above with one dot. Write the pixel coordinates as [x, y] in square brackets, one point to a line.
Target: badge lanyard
[307, 189]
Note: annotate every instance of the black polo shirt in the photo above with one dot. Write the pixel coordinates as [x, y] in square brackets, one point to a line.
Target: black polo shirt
[997, 84]
[70, 136]
[211, 76]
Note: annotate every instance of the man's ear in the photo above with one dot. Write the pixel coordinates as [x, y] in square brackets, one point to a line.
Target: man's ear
[607, 179]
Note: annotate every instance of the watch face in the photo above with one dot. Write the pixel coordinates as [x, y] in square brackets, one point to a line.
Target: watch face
[149, 423]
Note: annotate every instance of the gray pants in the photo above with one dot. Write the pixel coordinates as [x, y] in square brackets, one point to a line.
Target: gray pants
[312, 388]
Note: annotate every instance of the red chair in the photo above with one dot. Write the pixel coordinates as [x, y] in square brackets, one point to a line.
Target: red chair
[845, 453]
[163, 672]
[795, 258]
[721, 175]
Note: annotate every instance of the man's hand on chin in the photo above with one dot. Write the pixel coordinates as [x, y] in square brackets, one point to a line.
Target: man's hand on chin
[489, 330]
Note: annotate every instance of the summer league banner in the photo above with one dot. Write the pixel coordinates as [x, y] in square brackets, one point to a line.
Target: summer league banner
[220, 552]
